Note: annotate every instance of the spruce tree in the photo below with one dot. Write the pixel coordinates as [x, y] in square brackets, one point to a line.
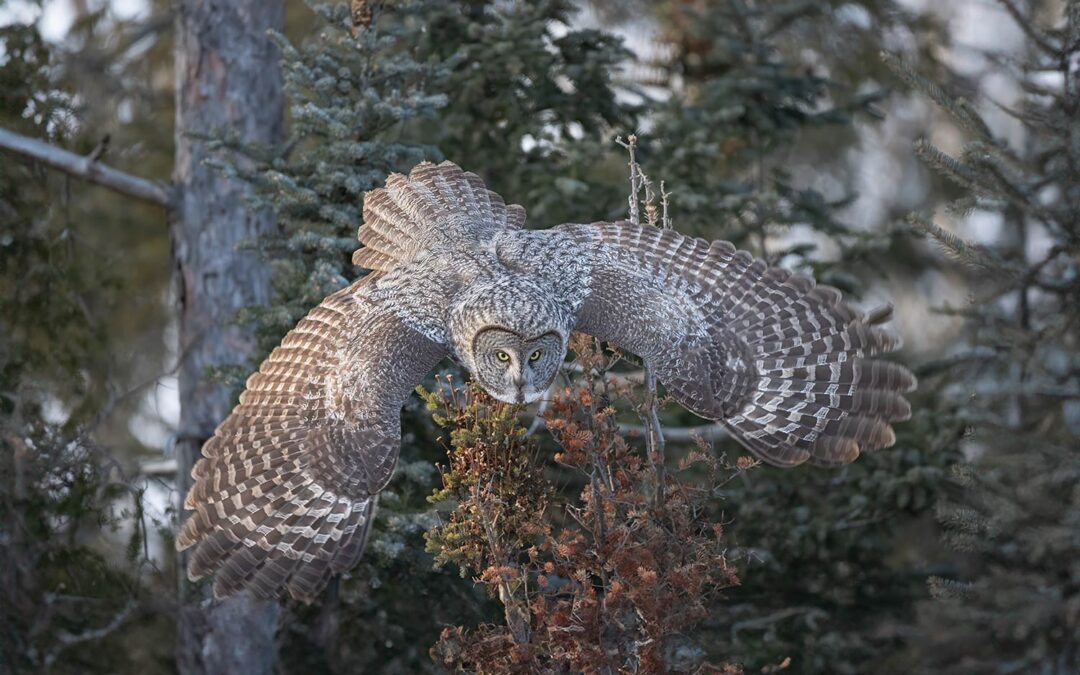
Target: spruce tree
[763, 96]
[350, 89]
[754, 92]
[720, 143]
[417, 80]
[1012, 605]
[62, 494]
[533, 105]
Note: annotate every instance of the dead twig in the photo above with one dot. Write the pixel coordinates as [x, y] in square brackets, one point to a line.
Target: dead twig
[635, 177]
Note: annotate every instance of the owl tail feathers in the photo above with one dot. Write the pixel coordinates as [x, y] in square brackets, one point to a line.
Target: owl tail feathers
[817, 396]
[436, 202]
[300, 537]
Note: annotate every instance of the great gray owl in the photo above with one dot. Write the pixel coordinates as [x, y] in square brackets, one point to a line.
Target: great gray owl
[285, 493]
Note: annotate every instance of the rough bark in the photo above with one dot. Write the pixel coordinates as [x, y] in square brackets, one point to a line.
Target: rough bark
[228, 79]
[1071, 56]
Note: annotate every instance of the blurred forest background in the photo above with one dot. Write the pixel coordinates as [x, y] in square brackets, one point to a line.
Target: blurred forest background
[923, 153]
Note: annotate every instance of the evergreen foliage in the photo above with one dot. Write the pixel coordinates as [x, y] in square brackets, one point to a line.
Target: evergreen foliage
[742, 102]
[820, 585]
[494, 87]
[45, 278]
[744, 106]
[349, 97]
[1014, 603]
[532, 104]
[422, 79]
[59, 492]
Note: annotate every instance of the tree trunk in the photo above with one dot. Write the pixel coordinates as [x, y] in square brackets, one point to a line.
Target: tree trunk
[228, 79]
[1071, 54]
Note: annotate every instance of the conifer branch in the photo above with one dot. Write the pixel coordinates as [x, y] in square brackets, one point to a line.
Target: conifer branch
[949, 589]
[959, 108]
[949, 166]
[975, 257]
[1043, 41]
[87, 168]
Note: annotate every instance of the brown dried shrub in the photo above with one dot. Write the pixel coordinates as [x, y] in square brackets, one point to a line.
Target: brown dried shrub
[633, 562]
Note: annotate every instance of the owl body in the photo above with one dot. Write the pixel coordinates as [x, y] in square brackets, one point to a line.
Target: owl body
[285, 494]
[525, 284]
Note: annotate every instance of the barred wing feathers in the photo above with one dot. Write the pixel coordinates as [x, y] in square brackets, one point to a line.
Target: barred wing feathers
[435, 203]
[782, 363]
[285, 493]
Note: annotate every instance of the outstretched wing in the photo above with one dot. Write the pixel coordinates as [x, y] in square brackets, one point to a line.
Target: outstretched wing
[435, 203]
[285, 493]
[782, 363]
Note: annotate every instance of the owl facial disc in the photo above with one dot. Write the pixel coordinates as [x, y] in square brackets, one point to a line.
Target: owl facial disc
[514, 368]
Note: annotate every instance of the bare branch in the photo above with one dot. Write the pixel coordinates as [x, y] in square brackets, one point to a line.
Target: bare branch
[635, 177]
[665, 220]
[157, 23]
[654, 434]
[87, 168]
[812, 614]
[634, 378]
[707, 432]
[165, 468]
[66, 639]
[538, 418]
[514, 607]
[86, 59]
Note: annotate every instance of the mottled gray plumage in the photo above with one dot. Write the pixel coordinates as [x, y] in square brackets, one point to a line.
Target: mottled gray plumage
[285, 494]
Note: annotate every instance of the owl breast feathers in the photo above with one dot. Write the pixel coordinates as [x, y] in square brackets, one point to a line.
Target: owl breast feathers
[285, 493]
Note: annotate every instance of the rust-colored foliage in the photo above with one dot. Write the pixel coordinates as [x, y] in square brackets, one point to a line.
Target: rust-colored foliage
[615, 590]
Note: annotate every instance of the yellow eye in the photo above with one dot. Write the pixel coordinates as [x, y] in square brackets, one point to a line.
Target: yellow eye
[535, 355]
[502, 356]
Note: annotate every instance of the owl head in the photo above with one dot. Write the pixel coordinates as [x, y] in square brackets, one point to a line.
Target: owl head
[511, 334]
[513, 367]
